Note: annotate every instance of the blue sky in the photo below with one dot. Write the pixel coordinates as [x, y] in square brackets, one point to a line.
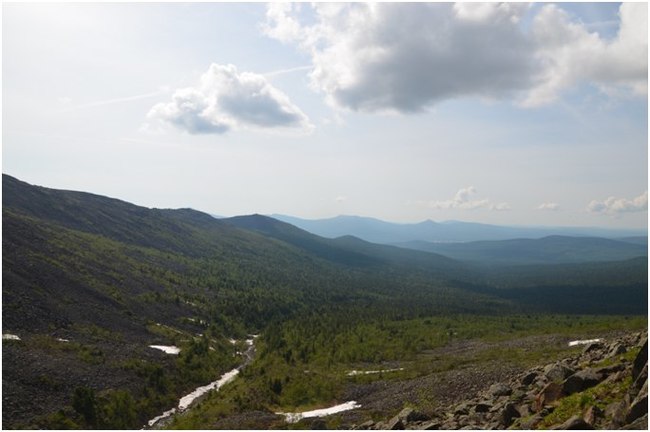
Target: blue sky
[516, 114]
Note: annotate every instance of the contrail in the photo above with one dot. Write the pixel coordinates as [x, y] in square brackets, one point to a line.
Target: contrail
[116, 100]
[286, 71]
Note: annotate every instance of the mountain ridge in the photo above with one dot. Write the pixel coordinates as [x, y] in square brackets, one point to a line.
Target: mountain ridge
[378, 231]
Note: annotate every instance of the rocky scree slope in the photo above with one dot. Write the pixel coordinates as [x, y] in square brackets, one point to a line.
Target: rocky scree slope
[603, 387]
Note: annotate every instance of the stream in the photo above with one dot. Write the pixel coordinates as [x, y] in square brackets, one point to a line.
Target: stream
[189, 399]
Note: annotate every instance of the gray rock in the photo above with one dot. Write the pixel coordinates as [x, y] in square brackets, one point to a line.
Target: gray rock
[558, 372]
[639, 424]
[639, 406]
[462, 409]
[641, 379]
[530, 422]
[395, 424]
[509, 414]
[592, 347]
[482, 407]
[592, 415]
[574, 423]
[500, 389]
[408, 415]
[366, 425]
[529, 378]
[549, 394]
[581, 381]
[640, 360]
[617, 349]
[430, 425]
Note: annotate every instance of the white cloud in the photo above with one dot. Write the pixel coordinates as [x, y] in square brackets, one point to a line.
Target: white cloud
[340, 199]
[552, 206]
[569, 54]
[462, 200]
[615, 206]
[227, 99]
[406, 57]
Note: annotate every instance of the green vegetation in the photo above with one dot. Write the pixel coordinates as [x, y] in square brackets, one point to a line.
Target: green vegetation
[303, 364]
[114, 278]
[599, 396]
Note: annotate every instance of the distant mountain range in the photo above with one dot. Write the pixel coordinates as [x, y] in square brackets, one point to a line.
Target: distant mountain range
[378, 231]
[547, 250]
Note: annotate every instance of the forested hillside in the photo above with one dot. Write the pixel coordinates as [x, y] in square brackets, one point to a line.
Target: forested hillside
[90, 282]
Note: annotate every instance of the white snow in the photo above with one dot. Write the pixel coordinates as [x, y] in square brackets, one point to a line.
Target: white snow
[8, 336]
[169, 349]
[232, 341]
[583, 342]
[62, 340]
[200, 391]
[296, 417]
[166, 414]
[356, 372]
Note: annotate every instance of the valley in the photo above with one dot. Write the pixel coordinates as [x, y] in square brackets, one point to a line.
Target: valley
[91, 283]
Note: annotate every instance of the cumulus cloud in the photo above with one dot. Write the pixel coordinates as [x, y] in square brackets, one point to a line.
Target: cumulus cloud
[552, 206]
[406, 57]
[569, 53]
[463, 200]
[227, 99]
[614, 206]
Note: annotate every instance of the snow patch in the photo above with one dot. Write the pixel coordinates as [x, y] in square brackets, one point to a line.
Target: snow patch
[62, 340]
[296, 417]
[200, 391]
[7, 336]
[356, 372]
[168, 349]
[583, 342]
[166, 414]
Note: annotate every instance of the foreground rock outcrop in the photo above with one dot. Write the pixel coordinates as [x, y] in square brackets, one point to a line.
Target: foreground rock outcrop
[603, 387]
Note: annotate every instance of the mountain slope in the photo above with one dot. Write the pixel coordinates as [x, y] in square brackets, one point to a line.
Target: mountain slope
[89, 282]
[547, 250]
[349, 250]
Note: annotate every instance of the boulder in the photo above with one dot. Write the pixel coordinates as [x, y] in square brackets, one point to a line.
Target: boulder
[482, 407]
[462, 409]
[395, 424]
[366, 425]
[558, 372]
[640, 360]
[408, 415]
[529, 378]
[639, 424]
[509, 414]
[581, 381]
[592, 415]
[641, 379]
[500, 389]
[530, 422]
[430, 425]
[639, 405]
[594, 346]
[616, 349]
[549, 394]
[574, 423]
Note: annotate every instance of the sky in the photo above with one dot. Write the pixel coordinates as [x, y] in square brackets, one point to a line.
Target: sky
[513, 114]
